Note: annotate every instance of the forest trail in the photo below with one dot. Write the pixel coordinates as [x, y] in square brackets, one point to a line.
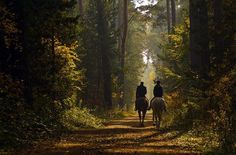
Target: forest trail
[120, 136]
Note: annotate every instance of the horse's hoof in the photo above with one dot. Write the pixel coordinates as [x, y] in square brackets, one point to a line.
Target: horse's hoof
[157, 127]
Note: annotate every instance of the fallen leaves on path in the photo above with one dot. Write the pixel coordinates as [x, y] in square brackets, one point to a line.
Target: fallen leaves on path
[121, 136]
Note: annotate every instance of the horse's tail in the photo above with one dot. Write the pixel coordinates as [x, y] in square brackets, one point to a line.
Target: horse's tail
[147, 101]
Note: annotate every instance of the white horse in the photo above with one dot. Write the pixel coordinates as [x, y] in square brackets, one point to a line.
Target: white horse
[158, 106]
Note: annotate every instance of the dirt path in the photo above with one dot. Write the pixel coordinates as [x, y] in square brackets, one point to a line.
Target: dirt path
[121, 136]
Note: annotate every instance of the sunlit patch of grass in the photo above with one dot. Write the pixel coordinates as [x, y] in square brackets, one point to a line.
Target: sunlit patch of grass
[165, 136]
[146, 150]
[160, 144]
[70, 145]
[108, 115]
[3, 152]
[132, 136]
[203, 143]
[191, 142]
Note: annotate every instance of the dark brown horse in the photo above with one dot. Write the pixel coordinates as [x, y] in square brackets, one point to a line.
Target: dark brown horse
[142, 106]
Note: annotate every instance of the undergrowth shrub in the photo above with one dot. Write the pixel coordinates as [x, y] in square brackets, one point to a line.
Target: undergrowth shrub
[75, 118]
[222, 112]
[109, 114]
[21, 124]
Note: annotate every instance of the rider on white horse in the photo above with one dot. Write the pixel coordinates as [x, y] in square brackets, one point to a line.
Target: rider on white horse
[158, 90]
[157, 104]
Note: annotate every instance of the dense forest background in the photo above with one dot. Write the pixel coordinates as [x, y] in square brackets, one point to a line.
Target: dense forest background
[67, 64]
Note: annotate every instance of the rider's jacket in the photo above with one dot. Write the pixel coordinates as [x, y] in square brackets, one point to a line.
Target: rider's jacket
[141, 91]
[158, 91]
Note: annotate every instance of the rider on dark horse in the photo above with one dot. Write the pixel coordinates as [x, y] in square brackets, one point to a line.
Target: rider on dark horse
[141, 91]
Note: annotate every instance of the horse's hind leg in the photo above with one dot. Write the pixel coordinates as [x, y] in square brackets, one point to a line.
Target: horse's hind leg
[159, 118]
[157, 125]
[144, 114]
[153, 118]
[139, 114]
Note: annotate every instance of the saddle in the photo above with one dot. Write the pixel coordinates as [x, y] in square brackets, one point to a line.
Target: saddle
[158, 103]
[142, 103]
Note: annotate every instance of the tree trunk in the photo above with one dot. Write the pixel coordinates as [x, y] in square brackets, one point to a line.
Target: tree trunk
[219, 37]
[173, 13]
[107, 81]
[199, 42]
[103, 48]
[80, 4]
[53, 65]
[123, 46]
[168, 15]
[28, 94]
[24, 37]
[99, 76]
[122, 27]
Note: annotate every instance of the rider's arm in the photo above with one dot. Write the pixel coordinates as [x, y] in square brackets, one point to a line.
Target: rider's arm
[137, 92]
[154, 91]
[161, 91]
